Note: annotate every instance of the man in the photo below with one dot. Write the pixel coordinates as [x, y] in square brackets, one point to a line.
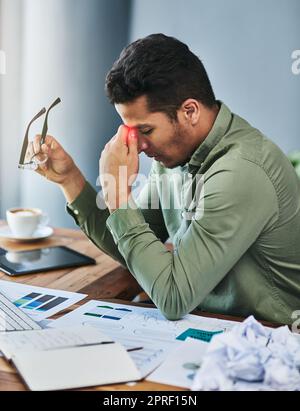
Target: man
[237, 240]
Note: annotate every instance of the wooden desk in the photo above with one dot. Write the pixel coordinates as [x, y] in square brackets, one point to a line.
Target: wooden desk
[106, 280]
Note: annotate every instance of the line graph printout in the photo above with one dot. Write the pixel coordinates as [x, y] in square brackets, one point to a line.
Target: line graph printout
[143, 330]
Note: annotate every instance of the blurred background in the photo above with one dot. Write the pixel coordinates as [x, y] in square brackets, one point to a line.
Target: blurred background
[65, 48]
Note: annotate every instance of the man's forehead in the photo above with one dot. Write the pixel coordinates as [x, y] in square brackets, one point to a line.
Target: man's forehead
[136, 114]
[135, 111]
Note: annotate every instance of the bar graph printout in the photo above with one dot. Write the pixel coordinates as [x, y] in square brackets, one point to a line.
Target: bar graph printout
[38, 302]
[147, 335]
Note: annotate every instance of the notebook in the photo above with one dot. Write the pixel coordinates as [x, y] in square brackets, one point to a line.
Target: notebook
[74, 357]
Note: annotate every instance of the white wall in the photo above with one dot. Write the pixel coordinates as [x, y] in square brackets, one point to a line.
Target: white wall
[246, 47]
[10, 103]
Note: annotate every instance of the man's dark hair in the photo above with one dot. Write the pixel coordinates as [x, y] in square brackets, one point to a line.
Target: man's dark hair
[164, 70]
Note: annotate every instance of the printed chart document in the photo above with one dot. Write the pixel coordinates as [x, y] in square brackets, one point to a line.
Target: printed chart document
[56, 359]
[143, 328]
[38, 302]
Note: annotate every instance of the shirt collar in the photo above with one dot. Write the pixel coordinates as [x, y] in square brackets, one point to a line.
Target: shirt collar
[218, 131]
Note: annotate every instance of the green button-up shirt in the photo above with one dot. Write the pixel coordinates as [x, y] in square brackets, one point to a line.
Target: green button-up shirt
[236, 249]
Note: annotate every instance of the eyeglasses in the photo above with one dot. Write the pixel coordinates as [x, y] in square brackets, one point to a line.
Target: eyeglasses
[29, 160]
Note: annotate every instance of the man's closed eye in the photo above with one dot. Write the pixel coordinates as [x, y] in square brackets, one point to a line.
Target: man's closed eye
[147, 132]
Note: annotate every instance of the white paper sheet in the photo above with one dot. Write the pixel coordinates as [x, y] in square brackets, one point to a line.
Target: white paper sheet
[181, 365]
[136, 327]
[38, 302]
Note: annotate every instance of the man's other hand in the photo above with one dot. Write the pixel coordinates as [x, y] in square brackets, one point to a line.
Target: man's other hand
[60, 167]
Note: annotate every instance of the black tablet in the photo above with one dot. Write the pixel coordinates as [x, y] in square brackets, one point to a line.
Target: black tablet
[42, 259]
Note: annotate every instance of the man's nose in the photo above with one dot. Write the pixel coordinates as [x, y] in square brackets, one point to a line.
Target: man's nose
[142, 146]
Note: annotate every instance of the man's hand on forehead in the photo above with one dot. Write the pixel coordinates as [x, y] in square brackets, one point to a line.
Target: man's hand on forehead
[119, 153]
[123, 134]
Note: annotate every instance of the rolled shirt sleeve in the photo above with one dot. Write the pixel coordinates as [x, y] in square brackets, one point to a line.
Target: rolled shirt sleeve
[90, 214]
[92, 221]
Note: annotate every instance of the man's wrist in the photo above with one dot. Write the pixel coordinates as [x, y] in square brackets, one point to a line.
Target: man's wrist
[73, 184]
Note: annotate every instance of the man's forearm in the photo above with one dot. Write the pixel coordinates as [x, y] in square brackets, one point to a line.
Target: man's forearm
[73, 185]
[90, 218]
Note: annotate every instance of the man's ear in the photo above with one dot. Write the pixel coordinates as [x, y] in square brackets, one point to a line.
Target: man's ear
[191, 111]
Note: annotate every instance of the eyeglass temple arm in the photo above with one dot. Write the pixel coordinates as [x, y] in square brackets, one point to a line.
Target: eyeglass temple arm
[25, 142]
[45, 126]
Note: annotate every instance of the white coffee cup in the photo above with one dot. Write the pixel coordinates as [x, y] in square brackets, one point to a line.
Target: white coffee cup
[23, 222]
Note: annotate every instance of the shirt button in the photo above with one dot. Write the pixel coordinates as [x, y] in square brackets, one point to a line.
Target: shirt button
[76, 212]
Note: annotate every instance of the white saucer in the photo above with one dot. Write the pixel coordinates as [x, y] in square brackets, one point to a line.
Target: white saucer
[40, 233]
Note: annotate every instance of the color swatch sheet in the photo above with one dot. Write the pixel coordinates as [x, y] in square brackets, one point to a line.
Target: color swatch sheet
[38, 302]
[147, 335]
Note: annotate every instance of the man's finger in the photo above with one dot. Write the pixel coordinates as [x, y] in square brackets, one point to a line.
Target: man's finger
[37, 143]
[43, 167]
[122, 134]
[45, 149]
[133, 142]
[49, 141]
